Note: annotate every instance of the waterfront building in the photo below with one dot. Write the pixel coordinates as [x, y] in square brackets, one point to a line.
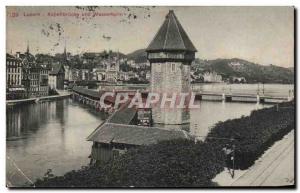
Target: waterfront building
[112, 70]
[14, 87]
[212, 77]
[238, 79]
[127, 128]
[56, 77]
[43, 81]
[34, 75]
[142, 65]
[84, 74]
[67, 72]
[111, 76]
[74, 74]
[13, 71]
[131, 63]
[170, 54]
[111, 139]
[99, 74]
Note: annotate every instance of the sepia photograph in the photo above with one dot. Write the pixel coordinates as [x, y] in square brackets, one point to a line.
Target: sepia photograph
[150, 97]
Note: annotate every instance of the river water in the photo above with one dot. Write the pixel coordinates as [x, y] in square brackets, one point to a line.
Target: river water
[52, 135]
[49, 135]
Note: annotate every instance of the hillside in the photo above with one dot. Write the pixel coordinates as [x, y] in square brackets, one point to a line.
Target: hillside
[229, 68]
[241, 68]
[138, 56]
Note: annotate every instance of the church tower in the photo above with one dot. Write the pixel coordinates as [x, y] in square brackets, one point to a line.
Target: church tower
[27, 50]
[170, 54]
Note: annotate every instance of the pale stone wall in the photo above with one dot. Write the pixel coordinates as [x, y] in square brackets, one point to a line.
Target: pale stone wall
[170, 77]
[52, 81]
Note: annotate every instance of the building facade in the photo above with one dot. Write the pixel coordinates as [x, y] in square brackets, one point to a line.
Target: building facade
[212, 77]
[13, 71]
[14, 87]
[112, 70]
[34, 80]
[170, 55]
[56, 77]
[43, 81]
[34, 75]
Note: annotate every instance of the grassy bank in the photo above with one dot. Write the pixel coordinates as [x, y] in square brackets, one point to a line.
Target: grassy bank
[184, 163]
[255, 133]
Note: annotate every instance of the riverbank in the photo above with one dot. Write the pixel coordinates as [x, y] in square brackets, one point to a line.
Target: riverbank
[37, 99]
[182, 163]
[274, 168]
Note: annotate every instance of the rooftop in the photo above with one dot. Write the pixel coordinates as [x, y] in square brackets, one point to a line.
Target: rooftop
[56, 69]
[133, 135]
[123, 115]
[92, 93]
[171, 36]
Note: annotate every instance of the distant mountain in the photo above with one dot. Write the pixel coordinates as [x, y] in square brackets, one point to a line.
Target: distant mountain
[139, 56]
[251, 71]
[229, 68]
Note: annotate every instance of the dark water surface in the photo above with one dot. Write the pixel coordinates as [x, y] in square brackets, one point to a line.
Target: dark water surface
[49, 135]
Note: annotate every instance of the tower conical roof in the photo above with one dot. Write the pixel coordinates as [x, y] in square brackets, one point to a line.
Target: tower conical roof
[171, 36]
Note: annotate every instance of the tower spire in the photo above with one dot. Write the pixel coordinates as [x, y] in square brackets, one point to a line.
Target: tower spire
[65, 49]
[27, 50]
[171, 36]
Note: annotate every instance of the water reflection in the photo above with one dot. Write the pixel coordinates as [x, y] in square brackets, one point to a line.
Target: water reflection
[201, 120]
[48, 135]
[210, 113]
[27, 119]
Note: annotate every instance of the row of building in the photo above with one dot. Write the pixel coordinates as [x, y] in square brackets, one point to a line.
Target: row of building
[106, 70]
[26, 78]
[214, 77]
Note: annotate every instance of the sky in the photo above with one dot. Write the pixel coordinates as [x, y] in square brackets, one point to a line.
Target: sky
[264, 35]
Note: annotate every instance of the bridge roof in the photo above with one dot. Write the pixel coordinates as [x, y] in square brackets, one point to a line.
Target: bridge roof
[133, 135]
[171, 36]
[92, 93]
[86, 91]
[123, 115]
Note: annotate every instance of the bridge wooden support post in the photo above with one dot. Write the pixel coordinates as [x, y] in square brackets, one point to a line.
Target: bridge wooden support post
[228, 98]
[291, 95]
[223, 97]
[198, 97]
[262, 100]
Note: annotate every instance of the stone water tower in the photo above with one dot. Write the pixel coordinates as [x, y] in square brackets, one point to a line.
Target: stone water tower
[170, 54]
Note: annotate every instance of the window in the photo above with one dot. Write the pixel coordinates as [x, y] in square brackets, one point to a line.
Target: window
[173, 67]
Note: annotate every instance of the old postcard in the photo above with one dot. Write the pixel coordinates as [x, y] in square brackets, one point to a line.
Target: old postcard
[133, 96]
